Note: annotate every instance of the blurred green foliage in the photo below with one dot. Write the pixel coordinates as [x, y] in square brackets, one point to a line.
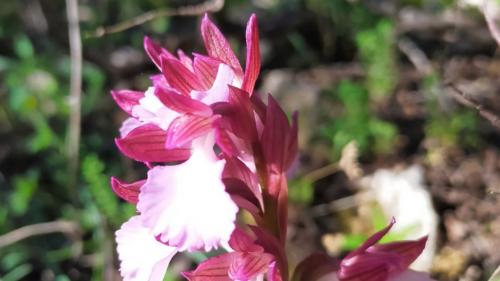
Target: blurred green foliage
[358, 123]
[451, 128]
[376, 50]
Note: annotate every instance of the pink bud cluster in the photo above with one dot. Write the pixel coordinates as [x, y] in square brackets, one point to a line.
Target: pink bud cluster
[213, 149]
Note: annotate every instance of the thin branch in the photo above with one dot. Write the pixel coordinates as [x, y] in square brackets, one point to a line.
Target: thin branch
[191, 10]
[460, 97]
[24, 232]
[348, 163]
[322, 172]
[416, 56]
[73, 140]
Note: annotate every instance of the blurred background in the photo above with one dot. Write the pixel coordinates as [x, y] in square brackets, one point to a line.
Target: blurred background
[398, 99]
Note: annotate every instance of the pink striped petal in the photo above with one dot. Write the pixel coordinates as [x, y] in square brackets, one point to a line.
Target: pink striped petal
[206, 69]
[252, 67]
[147, 144]
[236, 171]
[242, 117]
[219, 92]
[225, 142]
[133, 239]
[158, 79]
[185, 60]
[379, 262]
[188, 127]
[128, 125]
[127, 191]
[247, 262]
[248, 266]
[152, 110]
[243, 242]
[186, 205]
[155, 52]
[212, 269]
[217, 45]
[181, 103]
[127, 99]
[408, 251]
[372, 240]
[179, 77]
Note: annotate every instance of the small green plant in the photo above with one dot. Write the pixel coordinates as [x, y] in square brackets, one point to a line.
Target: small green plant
[449, 128]
[358, 123]
[376, 51]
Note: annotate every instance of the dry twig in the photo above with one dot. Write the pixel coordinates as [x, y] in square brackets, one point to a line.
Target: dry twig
[191, 10]
[75, 43]
[348, 163]
[463, 99]
[67, 227]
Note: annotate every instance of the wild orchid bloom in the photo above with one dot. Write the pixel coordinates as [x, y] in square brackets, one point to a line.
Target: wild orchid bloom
[214, 148]
[382, 262]
[370, 262]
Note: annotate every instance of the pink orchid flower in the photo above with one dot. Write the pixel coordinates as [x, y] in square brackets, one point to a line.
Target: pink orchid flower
[183, 207]
[179, 106]
[381, 262]
[214, 148]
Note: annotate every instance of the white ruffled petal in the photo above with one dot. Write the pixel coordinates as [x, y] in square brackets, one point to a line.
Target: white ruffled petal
[186, 205]
[142, 257]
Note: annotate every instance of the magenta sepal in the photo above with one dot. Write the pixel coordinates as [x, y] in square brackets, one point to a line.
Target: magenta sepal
[155, 52]
[246, 262]
[315, 266]
[147, 144]
[240, 180]
[187, 127]
[252, 66]
[179, 76]
[275, 138]
[372, 262]
[181, 103]
[185, 60]
[127, 99]
[217, 45]
[206, 69]
[273, 246]
[242, 115]
[127, 191]
[224, 141]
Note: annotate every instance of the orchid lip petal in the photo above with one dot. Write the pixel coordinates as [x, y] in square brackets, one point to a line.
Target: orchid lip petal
[186, 205]
[133, 238]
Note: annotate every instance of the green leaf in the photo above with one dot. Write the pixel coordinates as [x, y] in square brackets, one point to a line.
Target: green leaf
[98, 185]
[23, 48]
[24, 188]
[301, 191]
[18, 273]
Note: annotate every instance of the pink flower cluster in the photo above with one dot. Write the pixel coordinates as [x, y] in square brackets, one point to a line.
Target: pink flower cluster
[214, 148]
